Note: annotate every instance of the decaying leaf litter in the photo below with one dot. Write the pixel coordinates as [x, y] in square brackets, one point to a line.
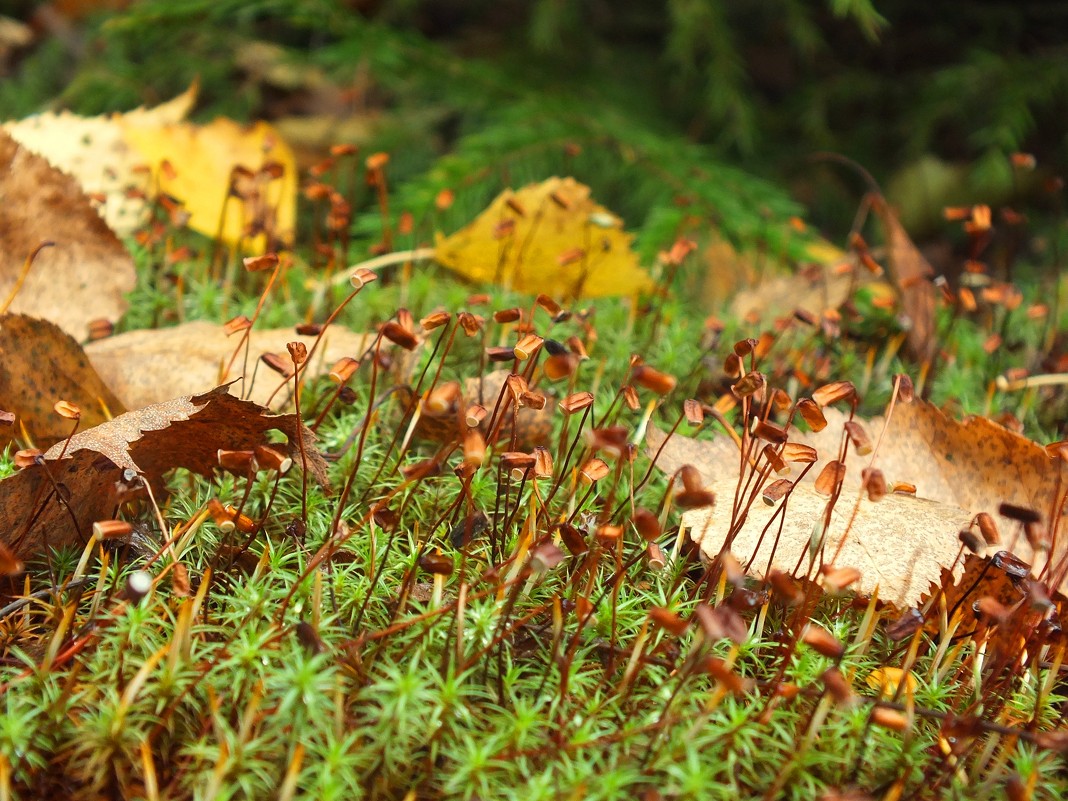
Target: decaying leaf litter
[898, 544]
[513, 243]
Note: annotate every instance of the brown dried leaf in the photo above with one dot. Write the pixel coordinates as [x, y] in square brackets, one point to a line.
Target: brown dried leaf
[1002, 580]
[87, 272]
[146, 367]
[959, 469]
[184, 432]
[912, 275]
[39, 365]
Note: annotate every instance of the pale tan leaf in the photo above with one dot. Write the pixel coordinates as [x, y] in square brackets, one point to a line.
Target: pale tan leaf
[94, 150]
[959, 469]
[899, 544]
[974, 463]
[825, 284]
[145, 367]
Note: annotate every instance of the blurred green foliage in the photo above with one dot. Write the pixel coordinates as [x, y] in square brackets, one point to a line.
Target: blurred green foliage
[687, 117]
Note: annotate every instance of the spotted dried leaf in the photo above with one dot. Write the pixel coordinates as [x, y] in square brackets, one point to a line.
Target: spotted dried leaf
[40, 365]
[86, 272]
[94, 150]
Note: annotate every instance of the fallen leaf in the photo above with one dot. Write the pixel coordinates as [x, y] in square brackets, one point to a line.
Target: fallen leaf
[816, 290]
[85, 274]
[106, 153]
[549, 237]
[145, 367]
[55, 502]
[901, 543]
[974, 463]
[39, 365]
[203, 157]
[1004, 580]
[772, 289]
[94, 150]
[911, 276]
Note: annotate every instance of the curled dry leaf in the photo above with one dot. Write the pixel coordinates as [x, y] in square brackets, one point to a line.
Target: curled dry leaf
[39, 365]
[84, 481]
[145, 367]
[912, 276]
[86, 272]
[549, 237]
[1002, 580]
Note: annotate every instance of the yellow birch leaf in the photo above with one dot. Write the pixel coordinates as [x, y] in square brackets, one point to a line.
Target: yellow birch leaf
[203, 157]
[887, 679]
[549, 237]
[95, 152]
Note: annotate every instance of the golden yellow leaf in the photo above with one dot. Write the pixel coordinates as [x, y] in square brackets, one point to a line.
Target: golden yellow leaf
[887, 679]
[202, 158]
[549, 237]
